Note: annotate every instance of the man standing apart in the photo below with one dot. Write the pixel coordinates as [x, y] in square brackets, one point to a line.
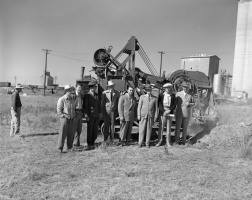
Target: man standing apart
[79, 114]
[66, 111]
[147, 113]
[126, 109]
[15, 110]
[184, 102]
[92, 108]
[166, 104]
[109, 108]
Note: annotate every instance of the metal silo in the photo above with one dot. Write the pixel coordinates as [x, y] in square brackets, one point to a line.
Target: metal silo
[247, 72]
[240, 46]
[218, 84]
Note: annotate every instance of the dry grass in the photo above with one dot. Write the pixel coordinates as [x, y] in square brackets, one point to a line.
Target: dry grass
[38, 114]
[31, 167]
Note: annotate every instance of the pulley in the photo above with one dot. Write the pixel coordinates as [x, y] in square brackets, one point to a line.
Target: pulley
[101, 58]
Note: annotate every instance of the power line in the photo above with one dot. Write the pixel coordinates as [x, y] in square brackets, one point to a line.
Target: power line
[70, 58]
[70, 52]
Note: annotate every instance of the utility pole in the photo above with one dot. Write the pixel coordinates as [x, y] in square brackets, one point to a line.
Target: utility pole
[15, 80]
[161, 52]
[46, 52]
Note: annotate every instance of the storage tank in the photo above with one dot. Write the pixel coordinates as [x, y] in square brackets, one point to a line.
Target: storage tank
[218, 84]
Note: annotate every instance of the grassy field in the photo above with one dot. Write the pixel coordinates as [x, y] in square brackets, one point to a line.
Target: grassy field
[219, 166]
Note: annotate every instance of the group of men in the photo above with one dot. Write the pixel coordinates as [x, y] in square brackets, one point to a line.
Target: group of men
[72, 107]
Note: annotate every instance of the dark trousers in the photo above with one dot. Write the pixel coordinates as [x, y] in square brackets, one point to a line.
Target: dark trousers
[77, 128]
[184, 121]
[92, 129]
[109, 126]
[66, 131]
[125, 130]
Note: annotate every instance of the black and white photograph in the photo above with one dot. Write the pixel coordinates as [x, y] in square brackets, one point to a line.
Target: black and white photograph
[125, 100]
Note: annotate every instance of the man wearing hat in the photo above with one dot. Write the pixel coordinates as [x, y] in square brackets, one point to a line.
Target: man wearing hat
[166, 104]
[66, 111]
[109, 108]
[184, 101]
[92, 108]
[147, 113]
[15, 110]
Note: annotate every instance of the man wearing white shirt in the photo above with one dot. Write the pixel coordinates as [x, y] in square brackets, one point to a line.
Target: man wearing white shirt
[66, 111]
[167, 104]
[183, 103]
[79, 114]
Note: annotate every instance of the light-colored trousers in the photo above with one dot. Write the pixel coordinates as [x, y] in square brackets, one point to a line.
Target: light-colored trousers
[125, 130]
[77, 128]
[184, 121]
[165, 121]
[15, 121]
[66, 132]
[145, 127]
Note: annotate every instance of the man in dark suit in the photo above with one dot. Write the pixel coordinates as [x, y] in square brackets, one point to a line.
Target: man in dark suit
[147, 113]
[109, 108]
[166, 104]
[184, 101]
[126, 109]
[92, 109]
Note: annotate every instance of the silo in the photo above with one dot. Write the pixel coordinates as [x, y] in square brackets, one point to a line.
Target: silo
[247, 74]
[240, 46]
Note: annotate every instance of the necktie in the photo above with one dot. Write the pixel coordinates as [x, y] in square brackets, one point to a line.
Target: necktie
[111, 95]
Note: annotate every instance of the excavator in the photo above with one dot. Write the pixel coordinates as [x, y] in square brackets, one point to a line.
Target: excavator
[108, 67]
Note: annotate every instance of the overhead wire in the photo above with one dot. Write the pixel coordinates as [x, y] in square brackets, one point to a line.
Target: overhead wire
[67, 57]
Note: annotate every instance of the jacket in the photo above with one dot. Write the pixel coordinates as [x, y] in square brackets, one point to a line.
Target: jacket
[161, 105]
[126, 108]
[92, 104]
[147, 107]
[182, 104]
[109, 105]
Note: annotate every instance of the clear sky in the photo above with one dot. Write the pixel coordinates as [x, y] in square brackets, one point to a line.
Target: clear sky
[75, 29]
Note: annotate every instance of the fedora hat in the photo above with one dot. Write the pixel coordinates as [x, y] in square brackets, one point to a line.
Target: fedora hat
[92, 83]
[148, 87]
[110, 83]
[185, 84]
[19, 86]
[167, 85]
[68, 87]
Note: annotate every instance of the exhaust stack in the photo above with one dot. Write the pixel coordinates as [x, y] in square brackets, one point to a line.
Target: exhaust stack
[82, 72]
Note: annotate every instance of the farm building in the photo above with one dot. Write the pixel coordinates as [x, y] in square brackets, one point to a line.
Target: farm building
[49, 79]
[208, 64]
[5, 84]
